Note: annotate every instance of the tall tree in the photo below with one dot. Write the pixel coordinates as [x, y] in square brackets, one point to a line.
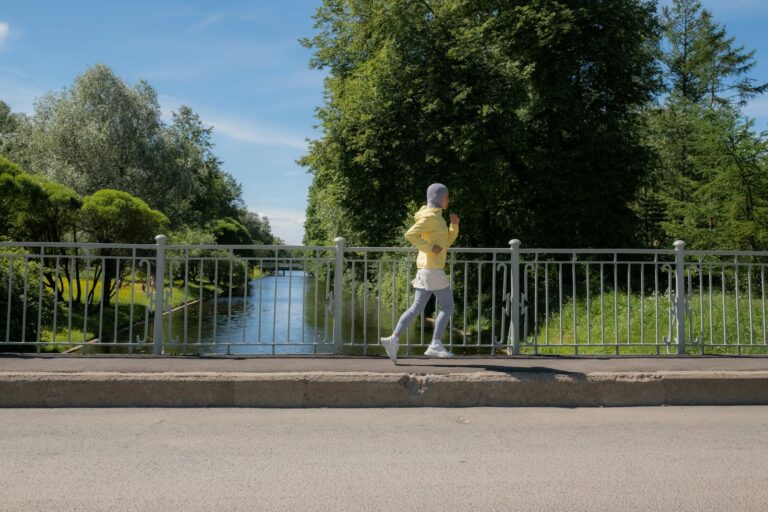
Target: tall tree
[590, 67]
[196, 189]
[102, 133]
[702, 173]
[528, 111]
[725, 204]
[99, 133]
[703, 64]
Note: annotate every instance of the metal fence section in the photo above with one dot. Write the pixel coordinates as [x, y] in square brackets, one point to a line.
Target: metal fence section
[236, 299]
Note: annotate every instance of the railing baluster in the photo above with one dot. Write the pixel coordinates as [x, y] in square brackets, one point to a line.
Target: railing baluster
[514, 327]
[762, 299]
[589, 318]
[246, 289]
[23, 338]
[642, 303]
[186, 295]
[118, 283]
[39, 300]
[573, 304]
[602, 304]
[133, 300]
[616, 301]
[10, 301]
[365, 302]
[157, 342]
[560, 300]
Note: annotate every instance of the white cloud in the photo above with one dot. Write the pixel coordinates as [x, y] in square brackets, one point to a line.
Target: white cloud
[262, 135]
[258, 14]
[209, 20]
[287, 224]
[5, 29]
[21, 98]
[237, 129]
[168, 104]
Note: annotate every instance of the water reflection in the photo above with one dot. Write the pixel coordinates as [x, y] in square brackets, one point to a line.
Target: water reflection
[292, 309]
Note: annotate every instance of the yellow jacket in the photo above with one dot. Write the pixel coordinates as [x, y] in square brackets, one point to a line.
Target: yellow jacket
[429, 230]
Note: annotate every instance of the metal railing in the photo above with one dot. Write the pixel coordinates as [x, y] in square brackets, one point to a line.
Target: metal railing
[237, 299]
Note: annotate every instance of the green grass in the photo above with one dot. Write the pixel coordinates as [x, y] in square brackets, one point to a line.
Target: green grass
[631, 320]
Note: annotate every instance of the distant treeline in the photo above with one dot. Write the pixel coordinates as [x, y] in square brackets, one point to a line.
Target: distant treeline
[96, 163]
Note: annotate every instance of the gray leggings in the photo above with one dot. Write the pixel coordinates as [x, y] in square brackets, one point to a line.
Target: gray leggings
[444, 297]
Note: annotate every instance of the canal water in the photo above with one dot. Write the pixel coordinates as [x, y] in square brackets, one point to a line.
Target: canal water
[290, 309]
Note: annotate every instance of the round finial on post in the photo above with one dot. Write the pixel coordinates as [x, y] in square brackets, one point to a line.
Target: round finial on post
[679, 245]
[161, 239]
[514, 243]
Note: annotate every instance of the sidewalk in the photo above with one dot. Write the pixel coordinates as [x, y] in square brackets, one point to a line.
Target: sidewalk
[340, 364]
[109, 381]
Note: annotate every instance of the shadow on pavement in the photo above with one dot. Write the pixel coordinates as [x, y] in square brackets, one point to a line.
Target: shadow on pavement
[499, 368]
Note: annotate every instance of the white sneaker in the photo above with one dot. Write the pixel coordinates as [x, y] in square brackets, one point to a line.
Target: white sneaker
[437, 351]
[391, 347]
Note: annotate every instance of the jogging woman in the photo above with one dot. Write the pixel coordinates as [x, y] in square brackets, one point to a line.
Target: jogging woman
[432, 237]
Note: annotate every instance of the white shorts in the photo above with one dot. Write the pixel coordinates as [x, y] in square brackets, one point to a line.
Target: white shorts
[430, 279]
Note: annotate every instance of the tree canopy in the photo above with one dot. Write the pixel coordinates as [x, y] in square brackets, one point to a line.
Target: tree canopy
[529, 112]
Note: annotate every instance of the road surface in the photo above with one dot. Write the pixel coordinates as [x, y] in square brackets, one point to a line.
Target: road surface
[484, 459]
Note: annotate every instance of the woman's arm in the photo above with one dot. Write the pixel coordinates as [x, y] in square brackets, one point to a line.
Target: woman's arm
[453, 229]
[413, 235]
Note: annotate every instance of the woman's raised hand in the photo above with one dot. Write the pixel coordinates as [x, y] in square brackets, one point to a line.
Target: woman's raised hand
[436, 249]
[454, 219]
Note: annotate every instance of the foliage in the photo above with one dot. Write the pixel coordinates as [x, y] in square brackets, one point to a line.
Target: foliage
[102, 133]
[702, 64]
[726, 204]
[708, 182]
[27, 303]
[33, 207]
[258, 228]
[198, 190]
[112, 216]
[230, 231]
[529, 113]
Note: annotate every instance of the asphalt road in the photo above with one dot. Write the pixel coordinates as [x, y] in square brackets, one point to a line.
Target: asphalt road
[486, 459]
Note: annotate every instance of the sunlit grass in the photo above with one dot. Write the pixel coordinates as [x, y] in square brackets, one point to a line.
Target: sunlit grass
[645, 322]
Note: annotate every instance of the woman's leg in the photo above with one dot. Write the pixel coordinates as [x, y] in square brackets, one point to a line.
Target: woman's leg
[445, 298]
[419, 303]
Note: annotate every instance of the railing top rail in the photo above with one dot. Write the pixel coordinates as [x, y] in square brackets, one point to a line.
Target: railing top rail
[597, 251]
[359, 249]
[78, 245]
[724, 253]
[96, 245]
[413, 249]
[228, 247]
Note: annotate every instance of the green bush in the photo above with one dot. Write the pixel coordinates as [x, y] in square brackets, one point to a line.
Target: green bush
[23, 326]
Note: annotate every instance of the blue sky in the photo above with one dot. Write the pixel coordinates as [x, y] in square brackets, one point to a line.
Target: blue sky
[237, 63]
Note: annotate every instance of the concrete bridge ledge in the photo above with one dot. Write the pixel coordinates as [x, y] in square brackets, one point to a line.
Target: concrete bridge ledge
[376, 389]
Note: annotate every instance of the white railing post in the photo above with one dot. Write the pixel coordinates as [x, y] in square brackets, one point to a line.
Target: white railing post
[157, 338]
[338, 284]
[514, 296]
[680, 299]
